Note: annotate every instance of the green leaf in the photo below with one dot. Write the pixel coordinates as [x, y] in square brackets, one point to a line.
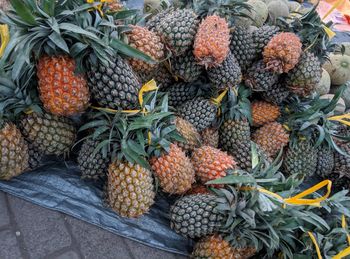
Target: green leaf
[24, 11]
[130, 51]
[233, 179]
[69, 28]
[125, 14]
[59, 41]
[93, 124]
[49, 7]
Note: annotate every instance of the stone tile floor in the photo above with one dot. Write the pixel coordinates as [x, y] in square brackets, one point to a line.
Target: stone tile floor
[31, 232]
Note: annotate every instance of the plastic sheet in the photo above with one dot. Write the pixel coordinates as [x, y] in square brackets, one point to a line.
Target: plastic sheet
[58, 186]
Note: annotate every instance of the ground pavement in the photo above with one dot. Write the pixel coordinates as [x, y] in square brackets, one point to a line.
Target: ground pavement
[29, 231]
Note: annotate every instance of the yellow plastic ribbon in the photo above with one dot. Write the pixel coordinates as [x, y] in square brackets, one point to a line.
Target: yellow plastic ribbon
[217, 101]
[344, 225]
[329, 32]
[5, 38]
[299, 198]
[341, 118]
[314, 241]
[336, 4]
[99, 7]
[342, 254]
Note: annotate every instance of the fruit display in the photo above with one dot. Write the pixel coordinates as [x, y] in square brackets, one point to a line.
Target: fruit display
[226, 117]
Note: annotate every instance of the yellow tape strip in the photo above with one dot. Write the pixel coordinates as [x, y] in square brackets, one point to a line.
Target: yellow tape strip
[336, 4]
[342, 254]
[344, 225]
[313, 239]
[341, 118]
[5, 38]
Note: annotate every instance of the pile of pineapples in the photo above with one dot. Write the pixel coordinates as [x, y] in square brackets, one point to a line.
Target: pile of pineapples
[194, 102]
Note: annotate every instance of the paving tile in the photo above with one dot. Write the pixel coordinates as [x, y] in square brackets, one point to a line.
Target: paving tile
[4, 217]
[67, 255]
[9, 248]
[97, 243]
[43, 231]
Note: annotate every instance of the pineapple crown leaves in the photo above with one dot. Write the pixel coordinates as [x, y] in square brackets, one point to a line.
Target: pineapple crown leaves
[134, 136]
[236, 104]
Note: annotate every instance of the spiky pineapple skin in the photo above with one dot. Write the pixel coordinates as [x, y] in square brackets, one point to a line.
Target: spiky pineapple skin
[92, 166]
[174, 171]
[282, 53]
[325, 161]
[300, 159]
[258, 78]
[14, 156]
[227, 74]
[242, 46]
[189, 133]
[303, 79]
[130, 189]
[62, 92]
[35, 157]
[215, 247]
[49, 134]
[210, 137]
[152, 23]
[195, 215]
[262, 36]
[198, 189]
[210, 163]
[163, 78]
[114, 86]
[342, 162]
[180, 93]
[185, 67]
[263, 113]
[277, 93]
[211, 45]
[177, 29]
[149, 43]
[234, 138]
[271, 138]
[199, 112]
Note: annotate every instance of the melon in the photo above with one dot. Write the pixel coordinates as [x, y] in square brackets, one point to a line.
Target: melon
[259, 8]
[340, 107]
[293, 6]
[338, 68]
[324, 85]
[277, 9]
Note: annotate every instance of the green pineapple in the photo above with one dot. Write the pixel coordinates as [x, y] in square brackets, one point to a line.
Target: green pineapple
[258, 78]
[180, 93]
[35, 157]
[185, 67]
[303, 79]
[200, 112]
[242, 46]
[227, 74]
[325, 161]
[93, 165]
[163, 78]
[277, 93]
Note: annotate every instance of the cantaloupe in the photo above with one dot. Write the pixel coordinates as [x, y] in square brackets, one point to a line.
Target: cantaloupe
[259, 8]
[293, 6]
[324, 85]
[277, 9]
[339, 109]
[338, 68]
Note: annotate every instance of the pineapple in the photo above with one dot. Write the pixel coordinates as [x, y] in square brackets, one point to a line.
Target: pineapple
[258, 78]
[282, 53]
[155, 20]
[342, 161]
[185, 67]
[277, 93]
[211, 46]
[262, 36]
[300, 159]
[325, 161]
[62, 92]
[115, 6]
[180, 93]
[49, 134]
[198, 189]
[163, 78]
[177, 29]
[263, 113]
[210, 137]
[92, 165]
[35, 157]
[130, 189]
[190, 134]
[149, 43]
[114, 86]
[227, 74]
[242, 46]
[174, 171]
[196, 215]
[271, 138]
[199, 112]
[303, 79]
[215, 247]
[14, 151]
[210, 163]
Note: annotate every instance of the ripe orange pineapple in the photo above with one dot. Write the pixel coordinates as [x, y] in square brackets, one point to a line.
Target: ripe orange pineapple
[190, 134]
[264, 112]
[174, 171]
[147, 42]
[62, 92]
[210, 137]
[282, 53]
[212, 41]
[215, 247]
[115, 5]
[211, 163]
[271, 138]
